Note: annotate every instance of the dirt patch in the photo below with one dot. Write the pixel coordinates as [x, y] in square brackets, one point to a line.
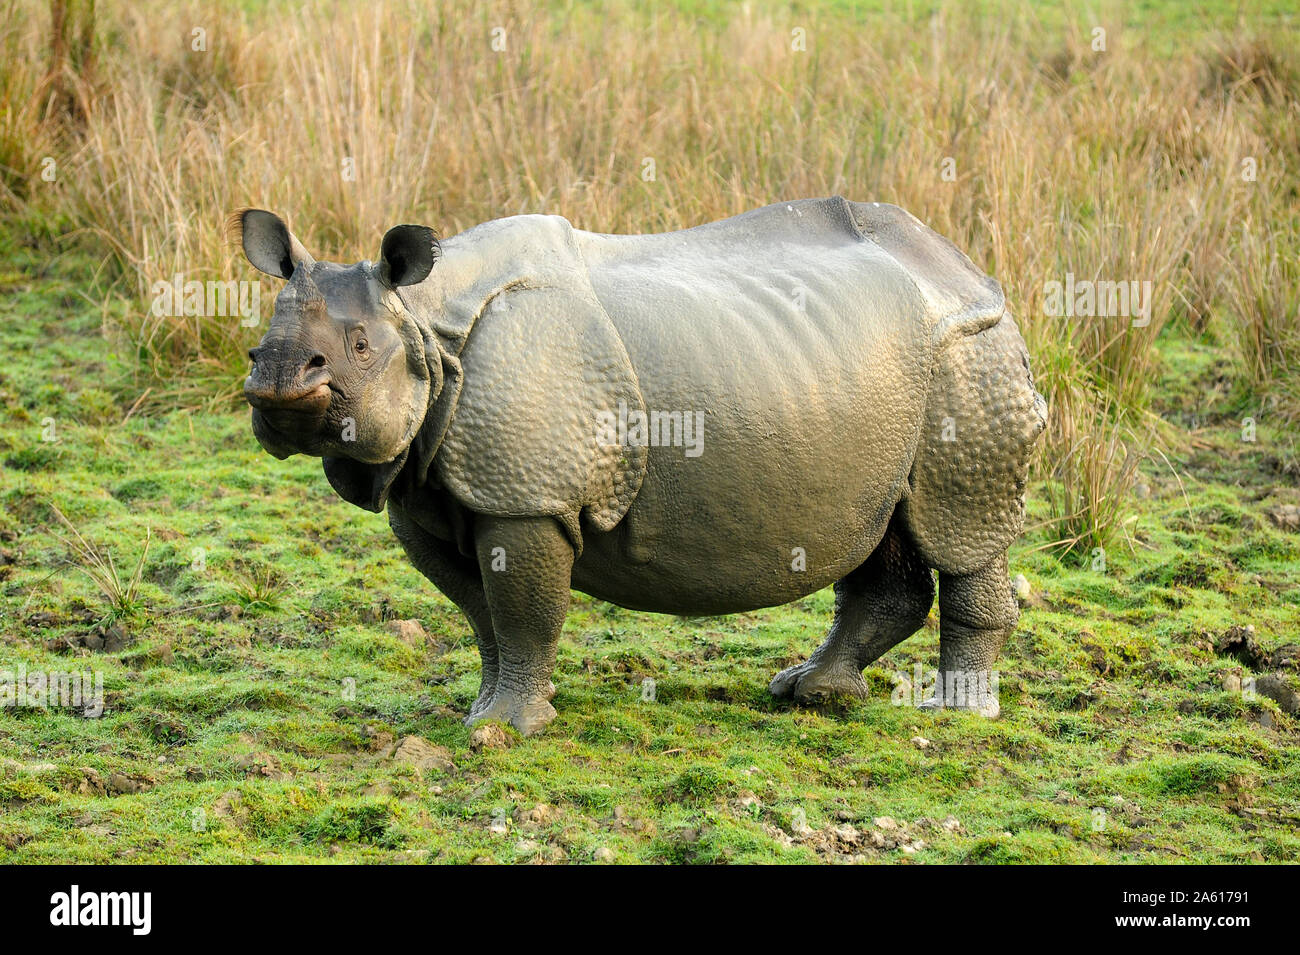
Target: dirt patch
[420, 753]
[1242, 644]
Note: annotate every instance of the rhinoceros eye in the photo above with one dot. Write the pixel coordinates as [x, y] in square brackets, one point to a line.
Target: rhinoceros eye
[361, 346]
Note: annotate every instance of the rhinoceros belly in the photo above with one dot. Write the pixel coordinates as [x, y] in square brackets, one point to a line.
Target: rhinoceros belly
[800, 362]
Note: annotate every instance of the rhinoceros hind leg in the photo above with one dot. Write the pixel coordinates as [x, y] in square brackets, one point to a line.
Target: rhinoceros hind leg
[527, 565]
[878, 605]
[458, 578]
[976, 614]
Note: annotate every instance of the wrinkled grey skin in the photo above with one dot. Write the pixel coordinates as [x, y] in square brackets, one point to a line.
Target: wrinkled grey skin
[864, 401]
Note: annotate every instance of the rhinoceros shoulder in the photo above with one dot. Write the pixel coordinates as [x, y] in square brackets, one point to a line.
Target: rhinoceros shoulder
[961, 299]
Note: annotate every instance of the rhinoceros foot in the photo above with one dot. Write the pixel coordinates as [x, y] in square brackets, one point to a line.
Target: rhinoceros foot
[816, 682]
[527, 715]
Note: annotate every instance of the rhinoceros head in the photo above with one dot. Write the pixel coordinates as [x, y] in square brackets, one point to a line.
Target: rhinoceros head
[342, 371]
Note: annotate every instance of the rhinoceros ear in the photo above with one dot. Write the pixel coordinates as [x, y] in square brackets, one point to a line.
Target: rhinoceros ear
[407, 255]
[268, 243]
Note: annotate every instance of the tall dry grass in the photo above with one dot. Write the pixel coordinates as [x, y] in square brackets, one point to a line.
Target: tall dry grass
[1118, 165]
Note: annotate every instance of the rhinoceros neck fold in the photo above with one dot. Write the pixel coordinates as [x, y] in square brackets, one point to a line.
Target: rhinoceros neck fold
[365, 485]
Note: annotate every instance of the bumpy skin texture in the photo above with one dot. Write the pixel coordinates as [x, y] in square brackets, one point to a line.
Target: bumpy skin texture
[866, 405]
[982, 417]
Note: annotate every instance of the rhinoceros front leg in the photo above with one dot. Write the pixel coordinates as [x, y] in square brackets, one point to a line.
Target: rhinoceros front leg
[527, 565]
[458, 578]
[878, 605]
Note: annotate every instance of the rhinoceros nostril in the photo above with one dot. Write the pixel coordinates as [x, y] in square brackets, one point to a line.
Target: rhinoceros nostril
[252, 354]
[317, 361]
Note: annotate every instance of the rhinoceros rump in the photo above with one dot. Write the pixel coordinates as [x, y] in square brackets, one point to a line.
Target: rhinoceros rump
[708, 421]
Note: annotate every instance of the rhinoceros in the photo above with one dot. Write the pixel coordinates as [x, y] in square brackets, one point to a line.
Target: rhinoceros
[701, 422]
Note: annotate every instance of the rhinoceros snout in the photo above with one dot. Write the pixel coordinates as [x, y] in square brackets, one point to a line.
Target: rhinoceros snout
[277, 384]
[308, 400]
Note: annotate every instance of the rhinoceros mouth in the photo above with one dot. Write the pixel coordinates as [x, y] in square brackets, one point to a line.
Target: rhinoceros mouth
[311, 401]
[286, 421]
[284, 431]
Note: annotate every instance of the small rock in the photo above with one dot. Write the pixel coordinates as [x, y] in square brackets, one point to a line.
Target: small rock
[525, 847]
[603, 855]
[488, 736]
[1232, 683]
[887, 823]
[1276, 688]
[920, 742]
[847, 834]
[420, 753]
[951, 824]
[410, 632]
[1020, 587]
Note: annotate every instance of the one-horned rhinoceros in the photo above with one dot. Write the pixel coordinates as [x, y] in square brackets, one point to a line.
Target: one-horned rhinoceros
[700, 422]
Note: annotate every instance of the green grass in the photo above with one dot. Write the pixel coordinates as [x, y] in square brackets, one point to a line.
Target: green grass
[250, 714]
